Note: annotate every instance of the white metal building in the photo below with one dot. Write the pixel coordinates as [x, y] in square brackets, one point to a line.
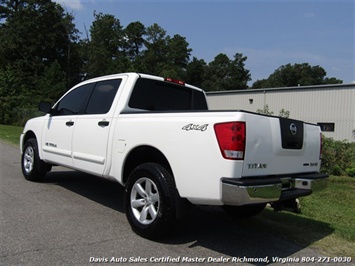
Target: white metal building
[330, 106]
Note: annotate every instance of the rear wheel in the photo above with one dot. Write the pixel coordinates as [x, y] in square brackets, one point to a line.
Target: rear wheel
[150, 196]
[33, 168]
[244, 211]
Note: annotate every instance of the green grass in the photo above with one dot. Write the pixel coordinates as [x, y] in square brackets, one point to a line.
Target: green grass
[10, 134]
[327, 221]
[335, 206]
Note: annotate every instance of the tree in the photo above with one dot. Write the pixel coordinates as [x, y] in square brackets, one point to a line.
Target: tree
[35, 36]
[9, 98]
[164, 55]
[295, 75]
[37, 32]
[195, 72]
[240, 76]
[178, 51]
[225, 74]
[177, 57]
[155, 56]
[105, 49]
[216, 73]
[134, 39]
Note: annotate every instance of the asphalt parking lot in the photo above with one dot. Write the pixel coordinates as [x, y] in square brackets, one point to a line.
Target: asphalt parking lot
[76, 219]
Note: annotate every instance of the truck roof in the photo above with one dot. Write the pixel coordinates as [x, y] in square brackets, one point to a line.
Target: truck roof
[134, 74]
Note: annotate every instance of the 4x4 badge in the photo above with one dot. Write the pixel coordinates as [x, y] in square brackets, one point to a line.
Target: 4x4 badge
[195, 127]
[293, 129]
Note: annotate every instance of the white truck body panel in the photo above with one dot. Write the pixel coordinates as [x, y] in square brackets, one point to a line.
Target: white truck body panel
[192, 155]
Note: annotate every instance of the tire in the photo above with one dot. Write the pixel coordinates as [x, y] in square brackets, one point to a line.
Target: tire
[33, 168]
[244, 211]
[150, 195]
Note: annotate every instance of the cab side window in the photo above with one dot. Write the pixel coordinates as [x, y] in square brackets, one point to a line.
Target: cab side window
[73, 102]
[101, 99]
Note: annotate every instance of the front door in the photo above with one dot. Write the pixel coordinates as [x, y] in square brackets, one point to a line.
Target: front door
[58, 131]
[56, 140]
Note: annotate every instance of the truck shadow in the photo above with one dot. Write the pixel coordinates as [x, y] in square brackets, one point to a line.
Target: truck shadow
[256, 237]
[211, 227]
[97, 189]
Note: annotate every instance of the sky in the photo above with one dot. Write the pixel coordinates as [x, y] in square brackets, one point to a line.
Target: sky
[269, 33]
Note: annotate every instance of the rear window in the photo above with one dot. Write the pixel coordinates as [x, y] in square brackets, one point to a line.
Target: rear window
[102, 97]
[159, 95]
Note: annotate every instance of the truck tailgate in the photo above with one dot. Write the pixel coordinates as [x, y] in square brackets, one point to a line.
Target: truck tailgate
[277, 145]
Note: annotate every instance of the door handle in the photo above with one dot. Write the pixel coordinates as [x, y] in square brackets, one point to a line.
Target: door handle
[69, 123]
[103, 123]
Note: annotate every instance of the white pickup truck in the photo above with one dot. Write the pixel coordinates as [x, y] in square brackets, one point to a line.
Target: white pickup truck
[156, 137]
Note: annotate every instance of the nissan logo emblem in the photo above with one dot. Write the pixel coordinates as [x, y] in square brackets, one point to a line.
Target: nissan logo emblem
[293, 129]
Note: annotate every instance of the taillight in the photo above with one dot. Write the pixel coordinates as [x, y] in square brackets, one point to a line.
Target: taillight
[231, 139]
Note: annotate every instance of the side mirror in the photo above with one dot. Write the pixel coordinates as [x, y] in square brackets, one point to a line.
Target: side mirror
[45, 107]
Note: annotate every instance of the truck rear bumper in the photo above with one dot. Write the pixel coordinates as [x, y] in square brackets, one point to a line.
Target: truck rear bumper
[254, 190]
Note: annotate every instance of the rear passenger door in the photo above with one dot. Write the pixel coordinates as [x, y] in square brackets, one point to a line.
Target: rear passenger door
[92, 128]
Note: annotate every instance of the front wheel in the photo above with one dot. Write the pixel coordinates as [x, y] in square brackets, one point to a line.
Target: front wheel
[33, 168]
[150, 195]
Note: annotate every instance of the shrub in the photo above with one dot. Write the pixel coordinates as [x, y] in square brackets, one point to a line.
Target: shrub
[338, 157]
[351, 171]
